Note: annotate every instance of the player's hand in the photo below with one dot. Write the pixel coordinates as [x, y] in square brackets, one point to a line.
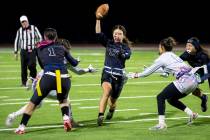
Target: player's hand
[91, 69]
[165, 74]
[132, 75]
[78, 59]
[16, 57]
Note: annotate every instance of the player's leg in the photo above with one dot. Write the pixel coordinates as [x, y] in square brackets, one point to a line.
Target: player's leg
[117, 87]
[112, 106]
[12, 116]
[53, 95]
[107, 89]
[203, 97]
[39, 94]
[64, 103]
[167, 93]
[103, 101]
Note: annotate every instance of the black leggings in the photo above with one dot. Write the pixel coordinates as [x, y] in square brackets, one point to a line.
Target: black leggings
[172, 95]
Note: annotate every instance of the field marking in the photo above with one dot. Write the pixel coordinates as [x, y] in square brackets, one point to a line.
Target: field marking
[74, 100]
[88, 107]
[18, 103]
[110, 122]
[143, 114]
[9, 78]
[82, 85]
[74, 104]
[129, 109]
[2, 97]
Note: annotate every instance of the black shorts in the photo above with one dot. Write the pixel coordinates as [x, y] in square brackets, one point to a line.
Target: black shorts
[116, 82]
[48, 83]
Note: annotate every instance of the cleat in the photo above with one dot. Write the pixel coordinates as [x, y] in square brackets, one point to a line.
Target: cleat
[204, 99]
[29, 83]
[20, 130]
[10, 119]
[191, 118]
[67, 123]
[100, 120]
[109, 115]
[158, 127]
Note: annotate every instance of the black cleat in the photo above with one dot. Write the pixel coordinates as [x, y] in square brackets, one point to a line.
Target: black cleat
[204, 99]
[100, 120]
[109, 115]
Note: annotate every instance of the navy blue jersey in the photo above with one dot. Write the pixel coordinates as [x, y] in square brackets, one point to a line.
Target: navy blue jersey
[116, 53]
[197, 60]
[51, 57]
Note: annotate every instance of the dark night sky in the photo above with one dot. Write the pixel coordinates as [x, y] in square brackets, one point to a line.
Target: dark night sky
[146, 21]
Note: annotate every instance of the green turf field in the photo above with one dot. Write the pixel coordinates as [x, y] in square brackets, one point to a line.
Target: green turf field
[136, 110]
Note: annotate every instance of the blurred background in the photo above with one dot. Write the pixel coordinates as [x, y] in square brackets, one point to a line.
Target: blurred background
[146, 21]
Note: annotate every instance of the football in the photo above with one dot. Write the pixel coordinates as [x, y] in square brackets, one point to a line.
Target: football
[102, 11]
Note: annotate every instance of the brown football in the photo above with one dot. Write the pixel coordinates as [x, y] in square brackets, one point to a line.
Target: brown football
[102, 10]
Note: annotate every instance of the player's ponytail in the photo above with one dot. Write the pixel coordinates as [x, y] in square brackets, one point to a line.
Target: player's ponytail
[168, 43]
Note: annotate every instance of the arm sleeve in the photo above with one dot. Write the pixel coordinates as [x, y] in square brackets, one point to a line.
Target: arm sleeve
[101, 37]
[151, 69]
[39, 61]
[16, 42]
[126, 53]
[70, 59]
[78, 70]
[184, 56]
[205, 58]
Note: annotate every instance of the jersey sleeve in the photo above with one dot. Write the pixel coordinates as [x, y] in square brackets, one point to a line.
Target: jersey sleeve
[70, 59]
[102, 38]
[151, 69]
[184, 56]
[126, 52]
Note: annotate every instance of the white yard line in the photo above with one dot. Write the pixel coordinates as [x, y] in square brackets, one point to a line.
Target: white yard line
[123, 110]
[2, 97]
[142, 114]
[74, 104]
[110, 122]
[82, 85]
[9, 78]
[88, 107]
[18, 103]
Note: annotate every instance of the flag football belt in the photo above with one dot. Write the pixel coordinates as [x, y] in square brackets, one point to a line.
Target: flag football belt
[54, 74]
[58, 76]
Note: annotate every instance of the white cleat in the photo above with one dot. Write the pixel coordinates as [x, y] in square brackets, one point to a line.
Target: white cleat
[158, 127]
[10, 119]
[191, 118]
[20, 130]
[67, 123]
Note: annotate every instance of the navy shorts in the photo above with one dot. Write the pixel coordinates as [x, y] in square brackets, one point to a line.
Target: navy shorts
[116, 82]
[48, 83]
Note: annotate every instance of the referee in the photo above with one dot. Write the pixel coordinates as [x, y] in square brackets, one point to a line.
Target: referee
[26, 38]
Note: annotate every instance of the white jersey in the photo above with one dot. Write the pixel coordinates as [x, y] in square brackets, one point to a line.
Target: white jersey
[186, 80]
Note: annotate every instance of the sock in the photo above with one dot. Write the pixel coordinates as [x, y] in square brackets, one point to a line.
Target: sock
[188, 111]
[70, 113]
[25, 119]
[100, 114]
[111, 110]
[20, 111]
[65, 110]
[161, 119]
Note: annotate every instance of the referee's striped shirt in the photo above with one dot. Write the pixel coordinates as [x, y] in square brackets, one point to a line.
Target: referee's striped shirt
[27, 38]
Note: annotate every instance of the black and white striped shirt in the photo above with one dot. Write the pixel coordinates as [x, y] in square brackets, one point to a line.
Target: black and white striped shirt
[27, 38]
